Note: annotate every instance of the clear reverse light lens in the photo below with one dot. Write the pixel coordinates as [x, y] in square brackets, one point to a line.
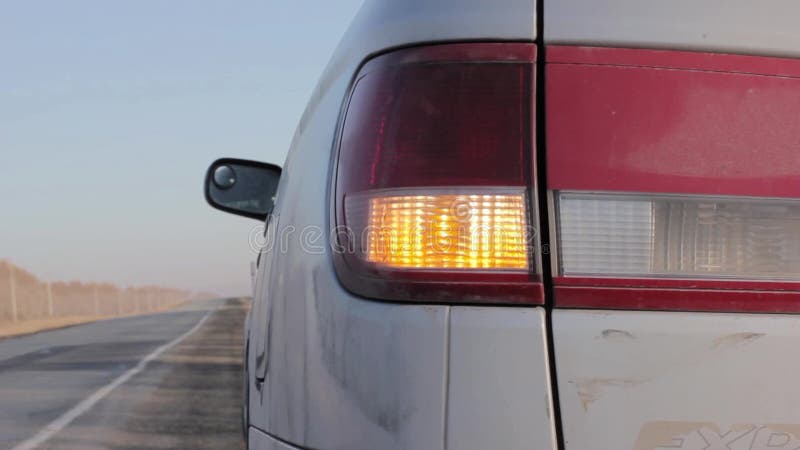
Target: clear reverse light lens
[678, 236]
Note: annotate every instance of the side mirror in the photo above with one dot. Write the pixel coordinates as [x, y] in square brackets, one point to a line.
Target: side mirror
[245, 188]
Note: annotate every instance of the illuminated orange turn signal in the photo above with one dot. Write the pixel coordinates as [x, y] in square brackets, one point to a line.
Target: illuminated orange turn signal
[444, 231]
[432, 197]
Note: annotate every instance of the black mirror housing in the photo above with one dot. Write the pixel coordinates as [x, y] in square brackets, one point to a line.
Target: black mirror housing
[242, 187]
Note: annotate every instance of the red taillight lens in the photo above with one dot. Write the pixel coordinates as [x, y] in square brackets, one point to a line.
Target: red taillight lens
[433, 177]
[684, 198]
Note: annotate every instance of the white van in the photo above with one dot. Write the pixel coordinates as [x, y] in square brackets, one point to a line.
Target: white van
[509, 225]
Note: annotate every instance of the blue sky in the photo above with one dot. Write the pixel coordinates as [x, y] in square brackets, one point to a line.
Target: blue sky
[110, 113]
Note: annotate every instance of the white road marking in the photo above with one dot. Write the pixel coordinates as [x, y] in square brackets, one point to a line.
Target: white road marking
[65, 419]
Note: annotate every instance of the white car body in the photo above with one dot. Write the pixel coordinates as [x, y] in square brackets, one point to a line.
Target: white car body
[344, 372]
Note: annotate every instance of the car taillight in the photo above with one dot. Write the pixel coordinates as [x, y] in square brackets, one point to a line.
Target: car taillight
[678, 236]
[674, 179]
[434, 179]
[433, 230]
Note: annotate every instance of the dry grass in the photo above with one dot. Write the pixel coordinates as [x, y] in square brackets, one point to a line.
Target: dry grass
[9, 329]
[28, 304]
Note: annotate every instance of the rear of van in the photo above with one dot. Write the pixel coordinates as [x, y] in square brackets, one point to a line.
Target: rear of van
[569, 225]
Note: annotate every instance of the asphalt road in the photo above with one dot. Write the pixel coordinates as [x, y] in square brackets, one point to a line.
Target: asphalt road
[162, 381]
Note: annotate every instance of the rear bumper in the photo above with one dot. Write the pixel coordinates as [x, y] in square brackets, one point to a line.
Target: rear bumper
[258, 440]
